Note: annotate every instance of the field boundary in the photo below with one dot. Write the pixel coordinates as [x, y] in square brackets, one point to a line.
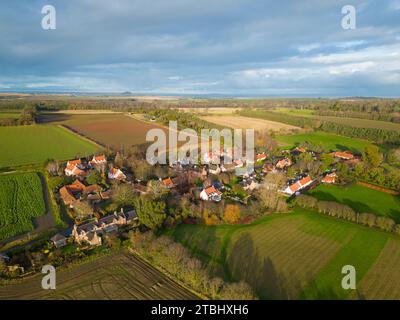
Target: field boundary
[80, 135]
[378, 188]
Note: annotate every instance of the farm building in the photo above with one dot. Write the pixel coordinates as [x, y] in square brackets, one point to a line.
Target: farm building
[343, 155]
[329, 178]
[298, 185]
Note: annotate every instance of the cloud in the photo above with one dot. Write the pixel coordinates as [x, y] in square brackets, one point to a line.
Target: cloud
[226, 46]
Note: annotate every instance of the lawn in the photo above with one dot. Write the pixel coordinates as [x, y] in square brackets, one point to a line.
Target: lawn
[361, 199]
[326, 140]
[21, 200]
[35, 144]
[297, 255]
[114, 130]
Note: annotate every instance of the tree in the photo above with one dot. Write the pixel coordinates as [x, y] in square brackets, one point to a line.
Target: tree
[232, 213]
[327, 159]
[385, 223]
[119, 160]
[151, 213]
[52, 167]
[123, 195]
[372, 156]
[237, 291]
[94, 178]
[83, 210]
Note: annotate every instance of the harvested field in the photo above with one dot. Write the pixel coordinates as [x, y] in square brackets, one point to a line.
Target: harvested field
[121, 276]
[211, 111]
[239, 122]
[113, 130]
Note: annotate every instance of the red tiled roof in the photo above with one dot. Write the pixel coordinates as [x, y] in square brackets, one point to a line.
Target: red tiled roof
[300, 184]
[328, 179]
[210, 190]
[167, 182]
[66, 196]
[343, 155]
[77, 186]
[100, 158]
[261, 156]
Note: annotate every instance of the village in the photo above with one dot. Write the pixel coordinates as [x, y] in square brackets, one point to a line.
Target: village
[219, 178]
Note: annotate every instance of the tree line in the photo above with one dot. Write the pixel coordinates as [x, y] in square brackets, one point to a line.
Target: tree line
[176, 260]
[341, 211]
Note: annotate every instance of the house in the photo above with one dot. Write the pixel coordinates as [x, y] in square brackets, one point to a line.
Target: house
[71, 193]
[58, 240]
[344, 155]
[298, 185]
[99, 161]
[298, 150]
[91, 232]
[211, 157]
[211, 194]
[227, 167]
[168, 183]
[261, 157]
[284, 163]
[329, 178]
[246, 171]
[268, 167]
[75, 168]
[214, 169]
[238, 163]
[250, 184]
[116, 174]
[67, 197]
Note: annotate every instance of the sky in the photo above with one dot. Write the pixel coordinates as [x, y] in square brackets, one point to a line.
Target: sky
[196, 47]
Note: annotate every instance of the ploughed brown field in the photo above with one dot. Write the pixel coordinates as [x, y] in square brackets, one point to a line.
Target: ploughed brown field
[122, 276]
[112, 130]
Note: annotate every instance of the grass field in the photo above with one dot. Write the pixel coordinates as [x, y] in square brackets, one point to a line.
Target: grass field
[21, 200]
[361, 199]
[239, 122]
[35, 144]
[326, 140]
[298, 255]
[114, 130]
[122, 276]
[9, 115]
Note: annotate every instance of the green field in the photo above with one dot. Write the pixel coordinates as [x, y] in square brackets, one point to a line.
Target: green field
[21, 200]
[361, 199]
[352, 122]
[327, 140]
[299, 255]
[35, 144]
[9, 115]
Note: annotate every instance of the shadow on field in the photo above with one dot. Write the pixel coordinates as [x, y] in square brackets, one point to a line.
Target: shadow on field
[51, 117]
[246, 264]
